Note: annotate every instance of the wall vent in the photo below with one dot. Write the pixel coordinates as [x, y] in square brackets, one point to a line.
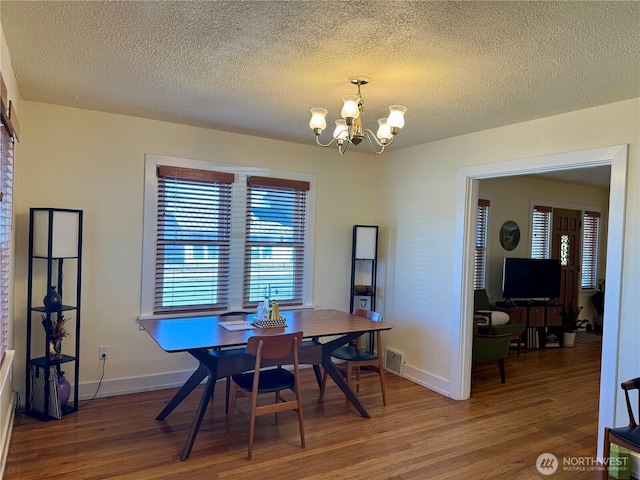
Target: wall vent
[393, 360]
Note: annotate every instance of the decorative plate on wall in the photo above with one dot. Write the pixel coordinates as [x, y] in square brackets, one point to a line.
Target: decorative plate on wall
[509, 235]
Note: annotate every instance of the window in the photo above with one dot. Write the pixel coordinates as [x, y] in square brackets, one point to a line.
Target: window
[220, 237]
[6, 216]
[275, 241]
[590, 234]
[193, 240]
[480, 260]
[541, 232]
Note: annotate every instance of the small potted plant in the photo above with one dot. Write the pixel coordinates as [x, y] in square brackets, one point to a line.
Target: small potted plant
[570, 324]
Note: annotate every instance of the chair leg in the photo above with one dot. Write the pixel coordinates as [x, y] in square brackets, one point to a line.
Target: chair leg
[296, 389]
[232, 408]
[227, 391]
[606, 455]
[501, 363]
[323, 385]
[382, 383]
[252, 420]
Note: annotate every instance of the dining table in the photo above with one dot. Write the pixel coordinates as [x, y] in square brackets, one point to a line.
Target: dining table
[222, 353]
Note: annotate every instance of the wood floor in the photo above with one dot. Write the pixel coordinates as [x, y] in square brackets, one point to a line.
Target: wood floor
[549, 404]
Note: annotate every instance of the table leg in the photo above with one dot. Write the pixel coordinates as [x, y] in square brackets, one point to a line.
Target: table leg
[197, 420]
[335, 374]
[194, 380]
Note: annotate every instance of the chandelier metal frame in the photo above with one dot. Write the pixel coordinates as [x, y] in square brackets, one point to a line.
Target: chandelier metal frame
[349, 129]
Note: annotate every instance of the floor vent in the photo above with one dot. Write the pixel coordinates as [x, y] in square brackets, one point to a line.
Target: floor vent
[394, 360]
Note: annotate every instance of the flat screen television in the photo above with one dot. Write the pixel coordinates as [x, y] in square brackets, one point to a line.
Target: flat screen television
[531, 278]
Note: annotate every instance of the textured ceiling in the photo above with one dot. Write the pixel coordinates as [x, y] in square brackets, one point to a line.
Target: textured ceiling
[257, 67]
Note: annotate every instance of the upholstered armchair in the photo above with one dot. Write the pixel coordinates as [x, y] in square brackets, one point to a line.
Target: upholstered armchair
[495, 320]
[491, 349]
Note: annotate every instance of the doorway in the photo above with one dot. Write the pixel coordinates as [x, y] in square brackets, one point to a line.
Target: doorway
[616, 156]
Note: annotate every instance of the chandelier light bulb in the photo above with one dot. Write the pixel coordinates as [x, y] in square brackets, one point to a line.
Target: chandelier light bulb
[318, 121]
[350, 108]
[341, 133]
[396, 116]
[384, 131]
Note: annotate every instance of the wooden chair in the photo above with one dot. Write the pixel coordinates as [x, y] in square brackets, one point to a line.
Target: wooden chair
[627, 437]
[228, 382]
[355, 358]
[272, 380]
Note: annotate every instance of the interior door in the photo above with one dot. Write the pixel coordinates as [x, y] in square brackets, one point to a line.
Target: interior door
[566, 242]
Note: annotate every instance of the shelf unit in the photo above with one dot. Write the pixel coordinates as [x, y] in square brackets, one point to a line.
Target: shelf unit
[364, 267]
[541, 318]
[55, 252]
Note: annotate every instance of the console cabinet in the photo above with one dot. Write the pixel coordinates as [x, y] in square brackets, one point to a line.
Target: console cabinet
[540, 319]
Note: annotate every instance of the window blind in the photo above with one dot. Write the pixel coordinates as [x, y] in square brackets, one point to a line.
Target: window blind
[274, 255]
[6, 217]
[193, 240]
[480, 260]
[590, 234]
[541, 232]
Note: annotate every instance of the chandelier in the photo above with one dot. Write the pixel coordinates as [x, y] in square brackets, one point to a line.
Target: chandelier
[349, 128]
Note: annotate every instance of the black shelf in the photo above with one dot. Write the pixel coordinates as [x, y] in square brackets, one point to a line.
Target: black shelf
[55, 246]
[44, 361]
[64, 308]
[364, 265]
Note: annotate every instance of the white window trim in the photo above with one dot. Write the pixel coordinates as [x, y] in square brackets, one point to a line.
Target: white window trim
[238, 204]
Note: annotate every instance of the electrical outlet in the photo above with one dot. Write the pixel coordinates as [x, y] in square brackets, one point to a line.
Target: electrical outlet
[103, 352]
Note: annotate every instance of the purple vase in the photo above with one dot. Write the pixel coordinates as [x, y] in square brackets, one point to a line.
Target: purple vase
[64, 390]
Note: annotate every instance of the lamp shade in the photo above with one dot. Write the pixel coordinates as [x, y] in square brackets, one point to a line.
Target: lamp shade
[64, 233]
[342, 131]
[384, 131]
[350, 107]
[318, 118]
[396, 116]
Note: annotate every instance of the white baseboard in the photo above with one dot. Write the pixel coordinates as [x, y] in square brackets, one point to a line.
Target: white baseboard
[427, 380]
[125, 386]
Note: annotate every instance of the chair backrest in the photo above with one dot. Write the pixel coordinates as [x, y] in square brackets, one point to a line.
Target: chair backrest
[273, 347]
[631, 385]
[370, 314]
[480, 300]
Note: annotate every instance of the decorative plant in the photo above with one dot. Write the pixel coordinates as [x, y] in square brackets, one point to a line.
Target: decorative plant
[56, 332]
[570, 322]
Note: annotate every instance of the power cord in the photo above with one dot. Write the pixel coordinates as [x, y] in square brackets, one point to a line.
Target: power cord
[104, 361]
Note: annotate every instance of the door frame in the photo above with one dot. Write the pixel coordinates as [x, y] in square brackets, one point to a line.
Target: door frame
[468, 187]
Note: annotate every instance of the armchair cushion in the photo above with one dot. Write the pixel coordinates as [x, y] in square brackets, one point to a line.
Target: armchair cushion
[497, 317]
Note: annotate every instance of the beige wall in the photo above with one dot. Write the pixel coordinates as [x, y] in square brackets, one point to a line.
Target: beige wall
[94, 161]
[512, 198]
[418, 210]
